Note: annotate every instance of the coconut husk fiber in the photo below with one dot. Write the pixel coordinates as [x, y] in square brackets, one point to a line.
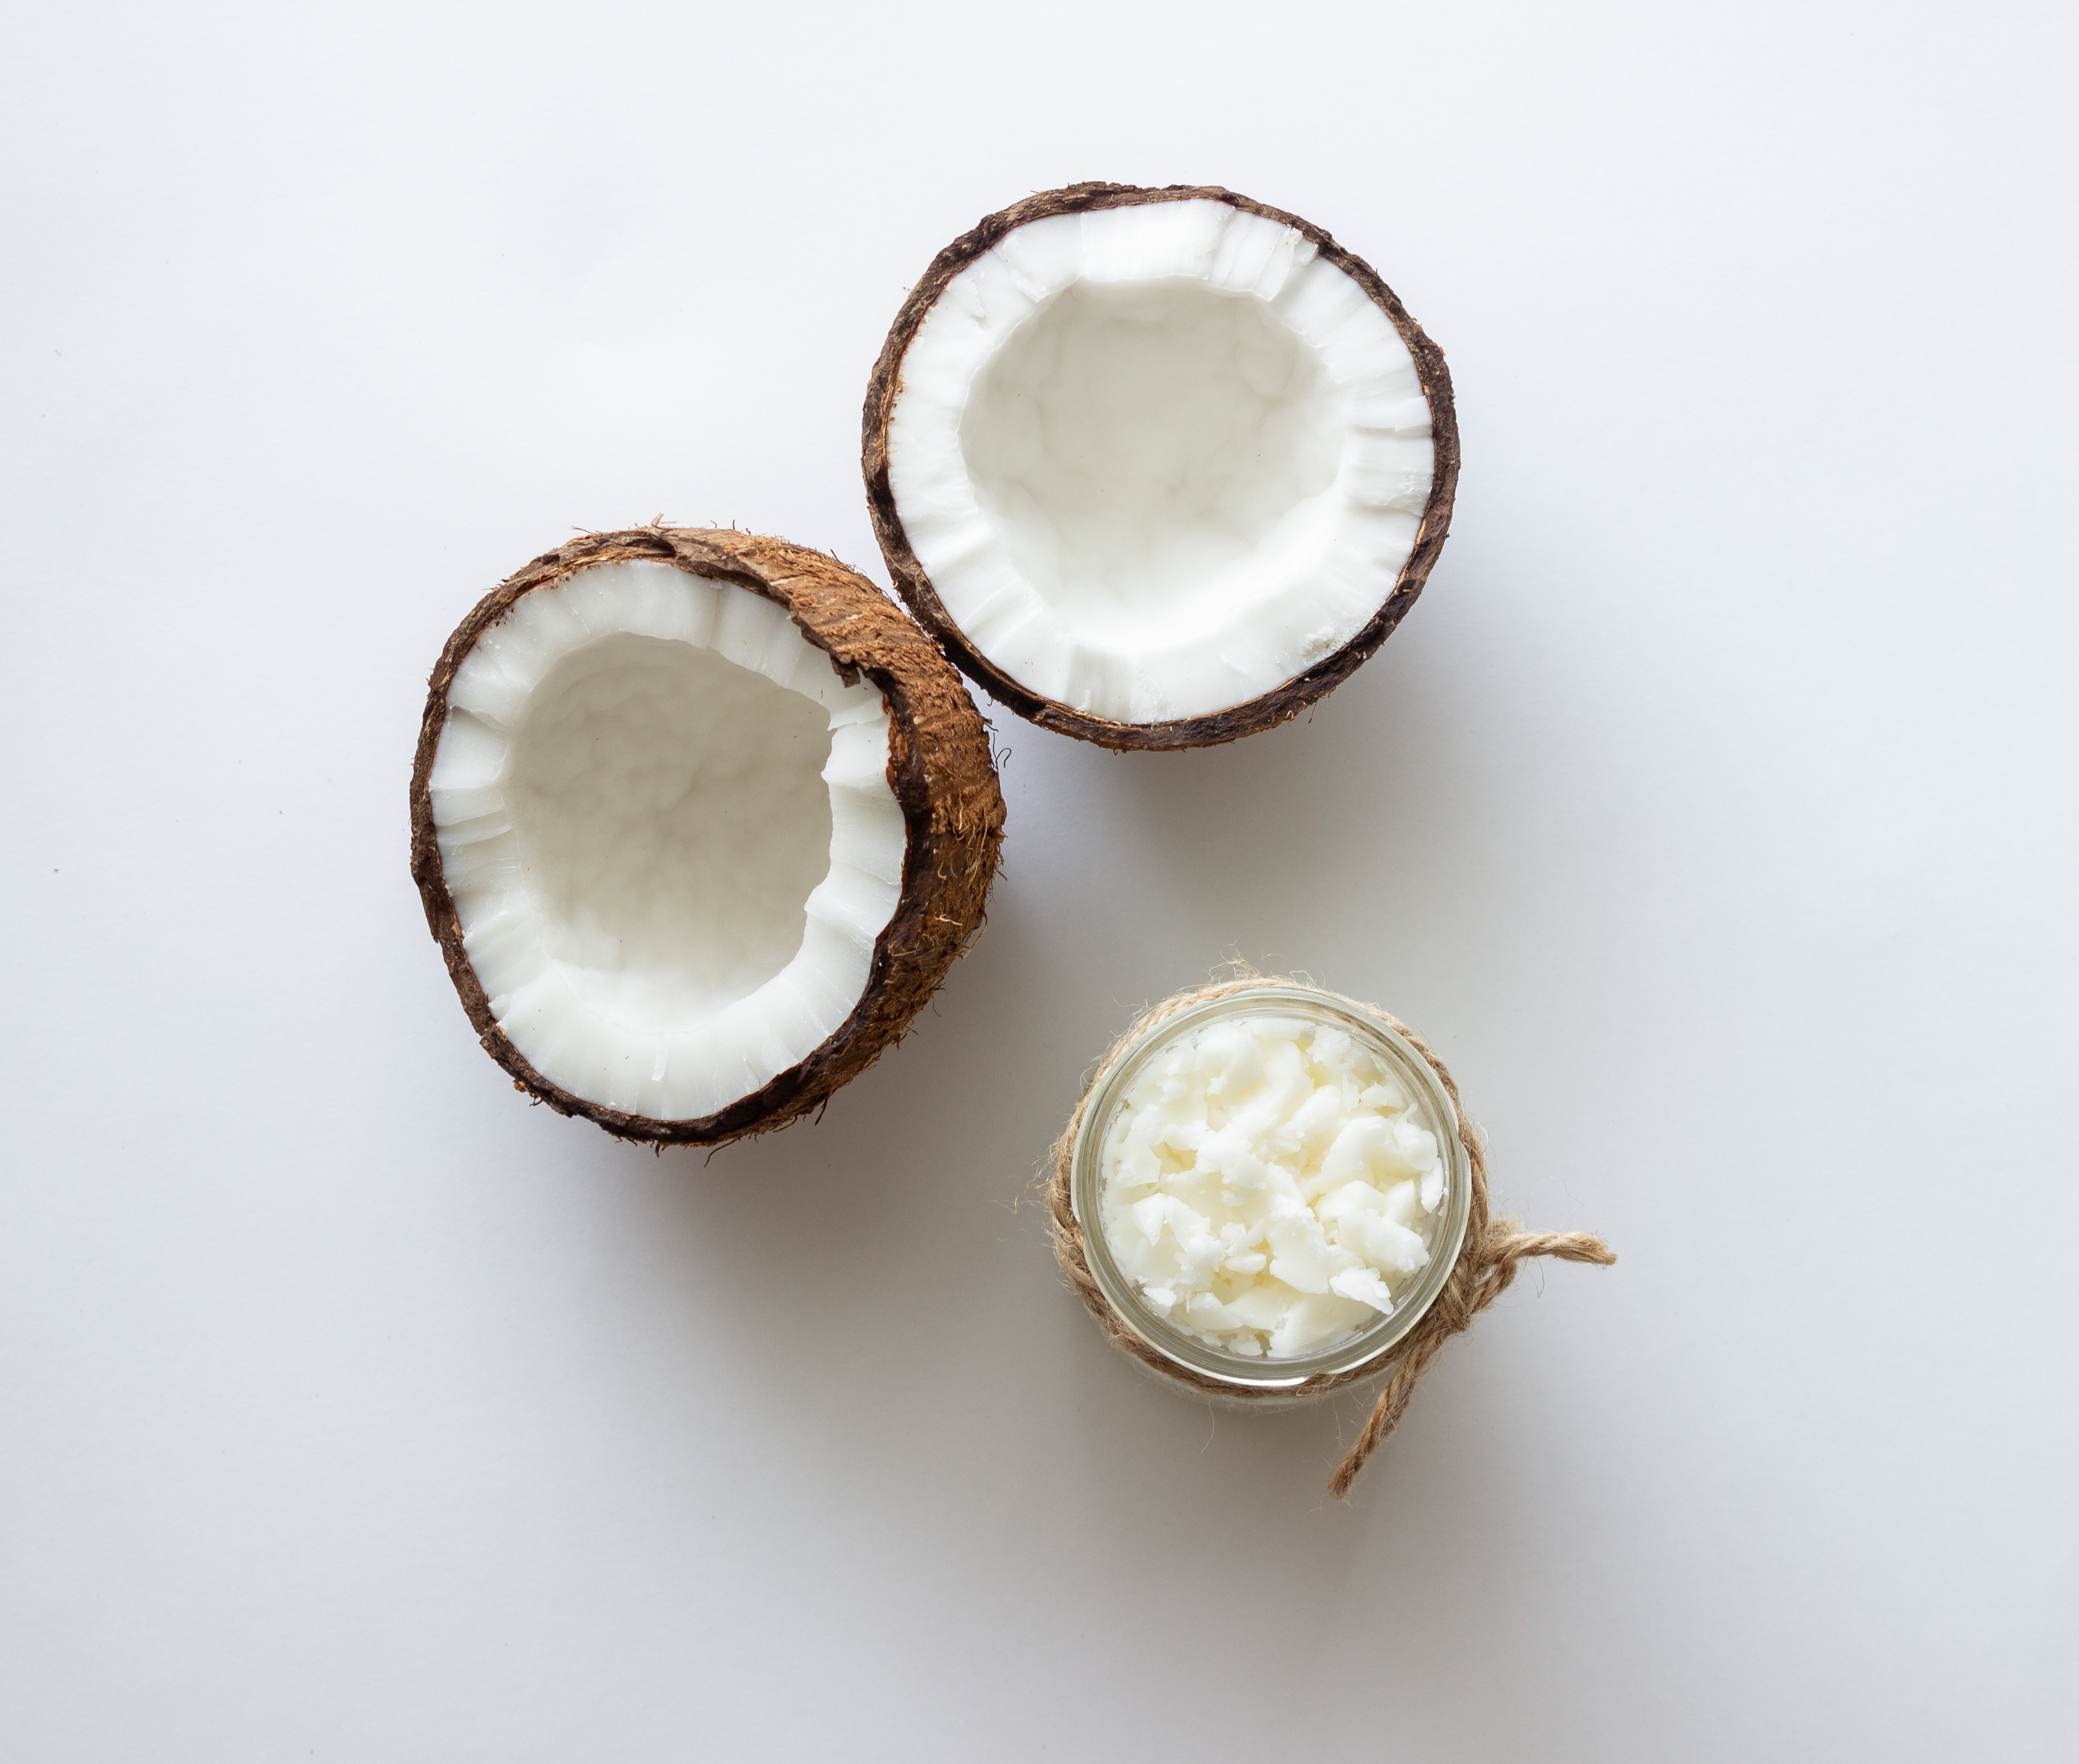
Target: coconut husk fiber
[940, 766]
[1494, 1250]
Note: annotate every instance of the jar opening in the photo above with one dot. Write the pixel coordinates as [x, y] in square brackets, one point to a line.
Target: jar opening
[1270, 1187]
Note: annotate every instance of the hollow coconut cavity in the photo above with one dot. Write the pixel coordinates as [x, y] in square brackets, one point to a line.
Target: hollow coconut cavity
[700, 821]
[1157, 467]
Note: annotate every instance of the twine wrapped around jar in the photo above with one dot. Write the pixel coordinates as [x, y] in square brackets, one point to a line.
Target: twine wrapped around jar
[1488, 1261]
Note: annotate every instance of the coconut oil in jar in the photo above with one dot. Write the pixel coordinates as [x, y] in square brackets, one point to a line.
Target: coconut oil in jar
[1271, 1189]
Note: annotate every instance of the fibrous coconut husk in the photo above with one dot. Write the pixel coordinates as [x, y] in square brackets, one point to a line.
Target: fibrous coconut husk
[939, 766]
[1282, 703]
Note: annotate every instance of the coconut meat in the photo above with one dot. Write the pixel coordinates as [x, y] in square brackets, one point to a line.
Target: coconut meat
[667, 828]
[1157, 460]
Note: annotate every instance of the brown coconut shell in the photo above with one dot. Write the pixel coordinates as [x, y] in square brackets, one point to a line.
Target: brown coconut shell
[1278, 705]
[939, 765]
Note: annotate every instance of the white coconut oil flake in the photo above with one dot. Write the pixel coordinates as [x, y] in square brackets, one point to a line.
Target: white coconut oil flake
[1269, 1187]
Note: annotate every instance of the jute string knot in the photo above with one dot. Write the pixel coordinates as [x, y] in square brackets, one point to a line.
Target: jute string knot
[1495, 1249]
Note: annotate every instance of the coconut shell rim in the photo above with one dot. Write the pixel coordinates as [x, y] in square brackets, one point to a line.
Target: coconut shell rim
[712, 554]
[1268, 709]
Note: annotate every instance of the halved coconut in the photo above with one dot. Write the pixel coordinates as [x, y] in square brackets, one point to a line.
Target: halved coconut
[1157, 467]
[699, 819]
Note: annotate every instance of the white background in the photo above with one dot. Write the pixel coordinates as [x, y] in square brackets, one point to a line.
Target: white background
[1713, 812]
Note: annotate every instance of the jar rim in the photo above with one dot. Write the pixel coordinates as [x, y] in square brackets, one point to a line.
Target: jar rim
[1368, 1346]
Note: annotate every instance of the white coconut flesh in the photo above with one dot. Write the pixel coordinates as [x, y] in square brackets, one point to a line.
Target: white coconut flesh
[667, 828]
[1158, 460]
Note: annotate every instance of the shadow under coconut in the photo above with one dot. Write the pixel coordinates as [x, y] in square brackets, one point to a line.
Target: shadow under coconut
[1351, 814]
[1367, 844]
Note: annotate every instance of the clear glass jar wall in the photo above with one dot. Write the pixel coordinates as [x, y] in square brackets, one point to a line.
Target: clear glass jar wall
[1367, 1346]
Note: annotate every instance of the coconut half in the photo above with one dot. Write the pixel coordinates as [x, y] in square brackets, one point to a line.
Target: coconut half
[1158, 468]
[699, 819]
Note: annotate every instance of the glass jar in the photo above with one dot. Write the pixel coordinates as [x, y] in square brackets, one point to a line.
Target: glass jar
[1254, 1381]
